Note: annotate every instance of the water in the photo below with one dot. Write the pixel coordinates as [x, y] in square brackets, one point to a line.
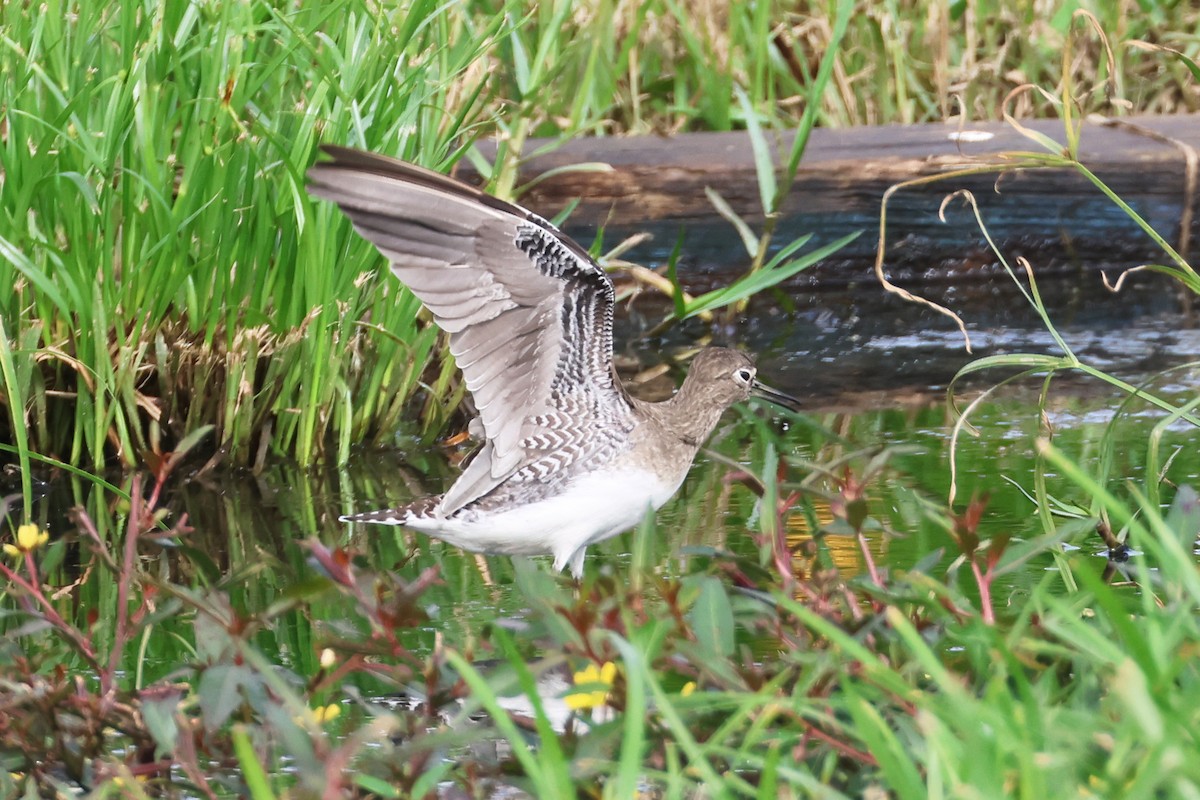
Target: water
[254, 524]
[866, 347]
[872, 372]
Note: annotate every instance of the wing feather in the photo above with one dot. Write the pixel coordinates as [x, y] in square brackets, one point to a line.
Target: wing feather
[528, 312]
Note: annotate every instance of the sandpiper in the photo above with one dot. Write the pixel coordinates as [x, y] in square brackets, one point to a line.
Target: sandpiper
[567, 458]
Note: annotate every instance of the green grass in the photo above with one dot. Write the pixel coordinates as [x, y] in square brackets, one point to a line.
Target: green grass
[824, 677]
[170, 274]
[1070, 101]
[169, 271]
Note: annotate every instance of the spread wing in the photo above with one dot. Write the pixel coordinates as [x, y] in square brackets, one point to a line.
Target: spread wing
[528, 312]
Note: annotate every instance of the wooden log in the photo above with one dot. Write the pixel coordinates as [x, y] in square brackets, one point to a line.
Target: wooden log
[1054, 215]
[655, 178]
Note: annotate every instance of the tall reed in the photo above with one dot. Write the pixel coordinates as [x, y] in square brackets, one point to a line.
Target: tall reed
[169, 271]
[168, 268]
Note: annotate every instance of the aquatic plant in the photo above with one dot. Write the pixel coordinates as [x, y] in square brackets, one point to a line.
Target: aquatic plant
[133, 662]
[168, 271]
[1072, 103]
[779, 671]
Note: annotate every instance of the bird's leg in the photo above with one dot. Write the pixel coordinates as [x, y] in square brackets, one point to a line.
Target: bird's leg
[576, 562]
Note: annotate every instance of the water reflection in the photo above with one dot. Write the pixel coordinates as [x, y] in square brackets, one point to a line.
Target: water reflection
[843, 550]
[252, 525]
[867, 389]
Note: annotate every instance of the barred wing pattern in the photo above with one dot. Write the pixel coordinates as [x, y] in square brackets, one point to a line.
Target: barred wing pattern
[528, 312]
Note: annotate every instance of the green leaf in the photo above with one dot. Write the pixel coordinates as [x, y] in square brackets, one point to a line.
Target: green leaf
[716, 784]
[381, 788]
[219, 692]
[764, 164]
[786, 252]
[484, 696]
[158, 712]
[673, 276]
[845, 10]
[520, 64]
[192, 439]
[253, 772]
[556, 769]
[1131, 687]
[756, 282]
[16, 407]
[711, 618]
[566, 169]
[1019, 553]
[201, 561]
[561, 217]
[212, 639]
[1016, 360]
[749, 238]
[1188, 62]
[85, 189]
[897, 767]
[629, 775]
[768, 782]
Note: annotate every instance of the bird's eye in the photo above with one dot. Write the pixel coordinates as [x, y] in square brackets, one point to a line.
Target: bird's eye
[743, 375]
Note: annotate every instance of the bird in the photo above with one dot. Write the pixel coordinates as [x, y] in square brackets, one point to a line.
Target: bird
[567, 457]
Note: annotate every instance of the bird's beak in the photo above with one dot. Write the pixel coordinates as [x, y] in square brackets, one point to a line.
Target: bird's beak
[759, 389]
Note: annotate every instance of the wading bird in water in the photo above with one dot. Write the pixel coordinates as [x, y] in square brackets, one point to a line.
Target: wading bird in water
[568, 457]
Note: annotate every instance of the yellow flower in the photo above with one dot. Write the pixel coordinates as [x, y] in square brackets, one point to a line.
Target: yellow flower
[320, 715]
[29, 537]
[606, 674]
[687, 689]
[327, 713]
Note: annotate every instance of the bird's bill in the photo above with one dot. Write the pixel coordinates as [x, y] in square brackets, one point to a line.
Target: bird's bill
[777, 397]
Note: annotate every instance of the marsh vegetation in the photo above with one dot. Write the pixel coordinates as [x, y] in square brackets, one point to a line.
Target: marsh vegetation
[828, 610]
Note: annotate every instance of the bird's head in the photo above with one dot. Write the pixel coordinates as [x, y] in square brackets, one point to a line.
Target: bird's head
[728, 376]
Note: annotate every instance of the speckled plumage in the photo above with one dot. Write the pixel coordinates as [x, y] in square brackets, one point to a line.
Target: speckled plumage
[568, 458]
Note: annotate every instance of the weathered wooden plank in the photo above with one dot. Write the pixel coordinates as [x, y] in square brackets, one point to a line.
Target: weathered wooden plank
[1055, 217]
[655, 178]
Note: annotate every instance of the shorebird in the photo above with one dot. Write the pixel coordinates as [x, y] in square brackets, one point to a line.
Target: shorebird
[568, 458]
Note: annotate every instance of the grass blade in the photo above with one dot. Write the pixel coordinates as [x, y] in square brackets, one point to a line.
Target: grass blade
[15, 398]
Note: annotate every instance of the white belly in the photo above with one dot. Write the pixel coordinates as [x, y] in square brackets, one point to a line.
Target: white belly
[593, 507]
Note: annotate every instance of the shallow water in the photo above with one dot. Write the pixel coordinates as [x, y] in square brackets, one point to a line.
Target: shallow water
[256, 524]
[872, 374]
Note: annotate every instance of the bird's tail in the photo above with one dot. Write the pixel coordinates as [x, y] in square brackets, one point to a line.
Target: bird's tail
[403, 515]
